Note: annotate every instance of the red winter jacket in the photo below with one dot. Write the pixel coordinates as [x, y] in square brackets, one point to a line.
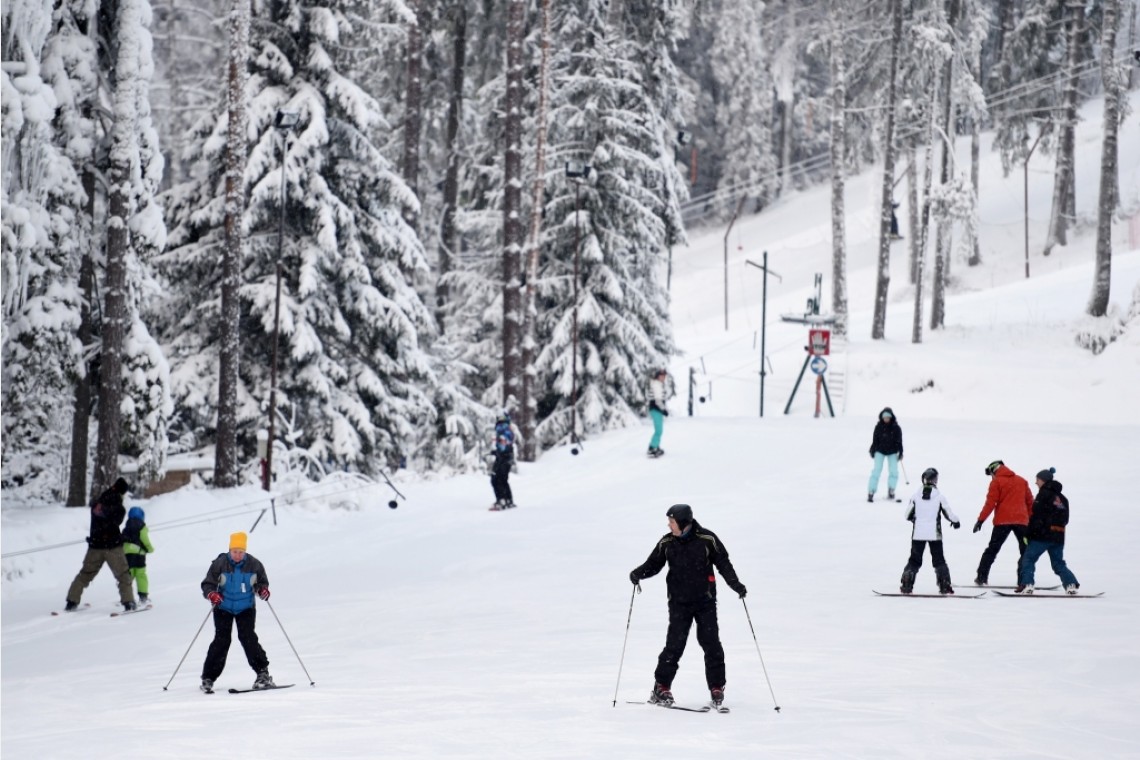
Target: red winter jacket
[1009, 498]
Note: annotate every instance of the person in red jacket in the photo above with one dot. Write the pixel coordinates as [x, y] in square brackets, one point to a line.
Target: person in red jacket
[1011, 502]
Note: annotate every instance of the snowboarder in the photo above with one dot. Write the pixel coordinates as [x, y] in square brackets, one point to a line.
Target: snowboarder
[136, 545]
[1010, 501]
[886, 444]
[691, 553]
[1046, 533]
[925, 510]
[105, 544]
[504, 451]
[231, 582]
[657, 410]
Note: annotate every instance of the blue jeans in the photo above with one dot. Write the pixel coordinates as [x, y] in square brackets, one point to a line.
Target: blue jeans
[658, 427]
[1034, 551]
[877, 470]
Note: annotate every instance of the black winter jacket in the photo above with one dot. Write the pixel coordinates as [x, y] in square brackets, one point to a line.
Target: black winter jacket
[691, 557]
[107, 513]
[1048, 520]
[887, 438]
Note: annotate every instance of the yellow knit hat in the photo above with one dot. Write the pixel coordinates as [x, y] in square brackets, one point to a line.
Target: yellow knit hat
[237, 541]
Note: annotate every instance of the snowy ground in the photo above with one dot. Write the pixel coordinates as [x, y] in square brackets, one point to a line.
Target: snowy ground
[441, 630]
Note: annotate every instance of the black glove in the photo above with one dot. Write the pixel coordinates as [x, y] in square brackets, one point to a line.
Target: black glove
[633, 577]
[872, 454]
[955, 525]
[977, 526]
[665, 412]
[900, 456]
[740, 589]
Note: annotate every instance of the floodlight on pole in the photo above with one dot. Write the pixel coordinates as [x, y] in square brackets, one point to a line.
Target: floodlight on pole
[577, 172]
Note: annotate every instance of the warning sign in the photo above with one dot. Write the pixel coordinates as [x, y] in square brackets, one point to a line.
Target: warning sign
[819, 342]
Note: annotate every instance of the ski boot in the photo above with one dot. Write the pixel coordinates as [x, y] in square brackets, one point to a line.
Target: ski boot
[70, 606]
[942, 575]
[1024, 588]
[870, 498]
[129, 606]
[661, 695]
[263, 681]
[1072, 588]
[207, 685]
[717, 695]
[144, 599]
[907, 581]
[981, 580]
[890, 493]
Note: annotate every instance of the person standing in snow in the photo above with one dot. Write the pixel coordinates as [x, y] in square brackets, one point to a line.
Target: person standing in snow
[691, 553]
[105, 545]
[926, 510]
[1046, 533]
[657, 410]
[1010, 501]
[231, 582]
[886, 445]
[504, 451]
[136, 545]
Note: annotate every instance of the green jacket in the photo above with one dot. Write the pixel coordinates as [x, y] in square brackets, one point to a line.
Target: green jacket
[136, 539]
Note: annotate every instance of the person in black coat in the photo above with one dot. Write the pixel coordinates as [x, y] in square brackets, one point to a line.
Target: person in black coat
[886, 444]
[1046, 534]
[691, 553]
[105, 545]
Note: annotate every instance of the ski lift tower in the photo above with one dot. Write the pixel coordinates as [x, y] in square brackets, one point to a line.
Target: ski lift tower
[819, 346]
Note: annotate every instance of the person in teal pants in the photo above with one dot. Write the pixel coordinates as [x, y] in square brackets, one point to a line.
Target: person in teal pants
[657, 411]
[886, 445]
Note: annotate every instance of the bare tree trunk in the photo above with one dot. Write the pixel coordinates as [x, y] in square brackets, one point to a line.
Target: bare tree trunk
[787, 107]
[838, 154]
[226, 465]
[1005, 14]
[927, 184]
[1132, 42]
[534, 248]
[413, 103]
[81, 416]
[449, 232]
[1063, 175]
[975, 163]
[1102, 279]
[513, 231]
[945, 225]
[912, 209]
[883, 281]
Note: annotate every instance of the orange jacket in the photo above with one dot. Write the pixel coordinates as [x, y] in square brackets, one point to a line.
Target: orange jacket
[1009, 498]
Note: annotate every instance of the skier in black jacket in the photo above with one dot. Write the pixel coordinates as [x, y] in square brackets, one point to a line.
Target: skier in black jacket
[886, 444]
[105, 544]
[691, 552]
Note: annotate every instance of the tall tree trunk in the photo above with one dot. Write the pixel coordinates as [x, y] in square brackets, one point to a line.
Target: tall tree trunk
[413, 103]
[226, 465]
[1102, 279]
[945, 224]
[927, 185]
[534, 248]
[975, 164]
[449, 231]
[786, 97]
[838, 155]
[124, 136]
[912, 208]
[81, 416]
[513, 230]
[1063, 174]
[883, 281]
[1005, 15]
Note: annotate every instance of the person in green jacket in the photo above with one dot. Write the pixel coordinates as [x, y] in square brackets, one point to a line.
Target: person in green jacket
[136, 545]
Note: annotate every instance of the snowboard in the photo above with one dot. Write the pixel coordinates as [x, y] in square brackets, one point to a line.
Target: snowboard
[1008, 588]
[1035, 595]
[932, 596]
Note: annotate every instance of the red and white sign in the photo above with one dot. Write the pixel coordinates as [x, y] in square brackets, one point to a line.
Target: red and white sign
[819, 342]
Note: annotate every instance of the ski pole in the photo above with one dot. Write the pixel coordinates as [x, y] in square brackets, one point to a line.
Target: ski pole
[636, 588]
[765, 669]
[311, 681]
[189, 647]
[903, 466]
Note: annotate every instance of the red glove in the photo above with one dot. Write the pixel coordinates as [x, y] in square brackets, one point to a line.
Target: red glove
[214, 597]
[263, 592]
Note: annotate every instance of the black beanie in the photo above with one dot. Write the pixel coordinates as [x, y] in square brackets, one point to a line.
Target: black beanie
[682, 513]
[121, 486]
[1046, 475]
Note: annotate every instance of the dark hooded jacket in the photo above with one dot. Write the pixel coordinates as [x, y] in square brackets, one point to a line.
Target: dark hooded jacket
[1050, 514]
[107, 513]
[887, 438]
[691, 558]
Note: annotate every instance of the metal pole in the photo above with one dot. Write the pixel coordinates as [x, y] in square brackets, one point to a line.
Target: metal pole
[267, 475]
[763, 334]
[574, 339]
[1040, 134]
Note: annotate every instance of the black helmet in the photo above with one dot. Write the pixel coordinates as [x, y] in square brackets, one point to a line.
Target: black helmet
[930, 477]
[992, 467]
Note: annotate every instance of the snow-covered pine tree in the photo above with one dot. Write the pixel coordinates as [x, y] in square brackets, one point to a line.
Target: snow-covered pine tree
[614, 89]
[353, 374]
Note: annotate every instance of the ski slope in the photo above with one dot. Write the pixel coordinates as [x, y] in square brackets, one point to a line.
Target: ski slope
[440, 630]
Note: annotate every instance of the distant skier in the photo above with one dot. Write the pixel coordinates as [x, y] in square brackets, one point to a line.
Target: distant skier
[105, 544]
[231, 582]
[895, 222]
[504, 451]
[886, 445]
[1010, 501]
[657, 410]
[926, 510]
[691, 553]
[1046, 533]
[136, 545]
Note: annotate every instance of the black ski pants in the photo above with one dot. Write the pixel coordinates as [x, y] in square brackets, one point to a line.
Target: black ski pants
[937, 559]
[500, 472]
[997, 538]
[681, 618]
[220, 646]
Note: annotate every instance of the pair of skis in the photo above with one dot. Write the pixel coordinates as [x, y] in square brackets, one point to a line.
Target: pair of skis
[87, 606]
[710, 707]
[246, 691]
